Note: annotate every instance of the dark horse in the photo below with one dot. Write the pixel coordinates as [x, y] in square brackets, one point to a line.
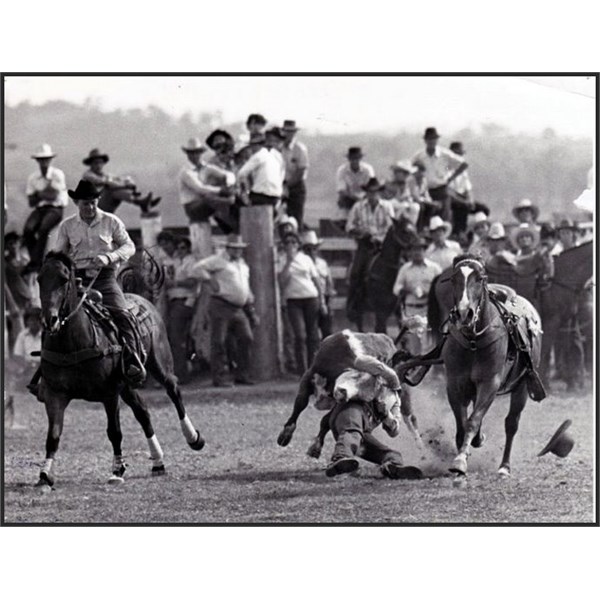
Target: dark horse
[383, 270]
[79, 360]
[482, 358]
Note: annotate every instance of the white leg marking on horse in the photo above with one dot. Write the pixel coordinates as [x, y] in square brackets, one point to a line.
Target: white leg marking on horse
[156, 453]
[47, 467]
[189, 431]
[463, 305]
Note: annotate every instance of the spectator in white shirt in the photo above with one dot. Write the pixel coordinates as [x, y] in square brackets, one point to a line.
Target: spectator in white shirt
[441, 168]
[351, 177]
[47, 195]
[442, 250]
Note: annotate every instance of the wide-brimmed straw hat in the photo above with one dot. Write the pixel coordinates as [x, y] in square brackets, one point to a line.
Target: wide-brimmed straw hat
[477, 219]
[235, 241]
[526, 203]
[404, 165]
[287, 220]
[44, 151]
[95, 154]
[85, 190]
[496, 232]
[310, 238]
[525, 229]
[437, 222]
[194, 145]
[561, 443]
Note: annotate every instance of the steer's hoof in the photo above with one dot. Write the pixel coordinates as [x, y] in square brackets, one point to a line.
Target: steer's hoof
[459, 466]
[285, 437]
[314, 450]
[45, 481]
[199, 443]
[159, 470]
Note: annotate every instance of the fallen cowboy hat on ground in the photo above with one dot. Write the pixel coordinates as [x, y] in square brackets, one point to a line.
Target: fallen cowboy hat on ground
[561, 443]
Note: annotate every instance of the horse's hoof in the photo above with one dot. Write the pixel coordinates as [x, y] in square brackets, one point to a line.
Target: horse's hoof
[160, 470]
[198, 444]
[314, 450]
[285, 437]
[478, 441]
[45, 481]
[120, 471]
[504, 471]
[116, 480]
[459, 466]
[460, 482]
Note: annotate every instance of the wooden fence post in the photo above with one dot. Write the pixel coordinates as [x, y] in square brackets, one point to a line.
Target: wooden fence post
[256, 228]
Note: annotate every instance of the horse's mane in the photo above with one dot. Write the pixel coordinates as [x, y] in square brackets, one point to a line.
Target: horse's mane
[60, 256]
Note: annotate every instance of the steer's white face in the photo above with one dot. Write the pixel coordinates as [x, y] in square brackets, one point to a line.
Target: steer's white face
[355, 385]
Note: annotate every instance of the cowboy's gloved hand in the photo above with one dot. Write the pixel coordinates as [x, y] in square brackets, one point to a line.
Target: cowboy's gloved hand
[102, 260]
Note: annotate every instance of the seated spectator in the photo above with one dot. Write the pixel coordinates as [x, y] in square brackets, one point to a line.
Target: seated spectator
[310, 247]
[301, 291]
[496, 244]
[351, 177]
[442, 250]
[181, 294]
[478, 231]
[402, 191]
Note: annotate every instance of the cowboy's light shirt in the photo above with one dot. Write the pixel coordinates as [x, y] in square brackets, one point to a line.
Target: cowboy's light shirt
[229, 278]
[416, 280]
[443, 255]
[106, 234]
[54, 178]
[193, 182]
[296, 162]
[365, 219]
[351, 182]
[181, 269]
[266, 169]
[439, 165]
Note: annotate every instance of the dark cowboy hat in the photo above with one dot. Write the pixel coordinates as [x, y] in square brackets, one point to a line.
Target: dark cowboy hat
[257, 118]
[85, 190]
[354, 152]
[373, 184]
[566, 224]
[289, 125]
[431, 134]
[210, 140]
[93, 155]
[561, 443]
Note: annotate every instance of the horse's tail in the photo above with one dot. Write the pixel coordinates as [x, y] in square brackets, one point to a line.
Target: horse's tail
[434, 311]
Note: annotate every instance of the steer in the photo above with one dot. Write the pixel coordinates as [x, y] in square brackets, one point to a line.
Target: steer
[367, 352]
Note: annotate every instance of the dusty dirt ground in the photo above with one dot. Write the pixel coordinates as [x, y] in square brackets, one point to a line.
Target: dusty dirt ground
[242, 475]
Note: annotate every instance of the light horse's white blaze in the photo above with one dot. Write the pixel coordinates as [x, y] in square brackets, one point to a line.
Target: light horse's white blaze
[463, 304]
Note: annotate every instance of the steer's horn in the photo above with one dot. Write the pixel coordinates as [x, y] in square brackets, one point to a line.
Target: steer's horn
[375, 367]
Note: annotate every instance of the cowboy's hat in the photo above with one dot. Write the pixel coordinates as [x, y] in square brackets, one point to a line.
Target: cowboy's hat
[561, 443]
[310, 238]
[566, 224]
[194, 145]
[431, 134]
[287, 220]
[437, 222]
[289, 125]
[479, 218]
[524, 229]
[44, 151]
[210, 140]
[85, 190]
[235, 241]
[354, 152]
[526, 203]
[403, 165]
[496, 232]
[373, 184]
[95, 154]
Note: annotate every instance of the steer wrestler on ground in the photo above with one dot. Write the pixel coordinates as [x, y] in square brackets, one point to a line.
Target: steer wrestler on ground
[364, 402]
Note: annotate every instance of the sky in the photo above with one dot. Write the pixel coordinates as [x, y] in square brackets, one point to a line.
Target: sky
[340, 104]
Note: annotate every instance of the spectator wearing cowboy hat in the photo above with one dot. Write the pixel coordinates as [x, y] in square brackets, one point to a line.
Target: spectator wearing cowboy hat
[566, 231]
[526, 212]
[230, 309]
[295, 156]
[402, 191]
[442, 250]
[263, 173]
[47, 194]
[525, 238]
[368, 223]
[497, 246]
[442, 167]
[98, 243]
[351, 177]
[200, 198]
[460, 190]
[302, 293]
[479, 226]
[310, 247]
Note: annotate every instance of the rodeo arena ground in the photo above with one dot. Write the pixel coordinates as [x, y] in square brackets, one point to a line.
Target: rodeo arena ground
[400, 355]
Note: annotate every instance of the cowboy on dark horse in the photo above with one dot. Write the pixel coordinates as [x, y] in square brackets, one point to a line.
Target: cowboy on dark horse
[98, 243]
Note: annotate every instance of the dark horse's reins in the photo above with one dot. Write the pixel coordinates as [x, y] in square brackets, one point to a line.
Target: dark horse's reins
[81, 300]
